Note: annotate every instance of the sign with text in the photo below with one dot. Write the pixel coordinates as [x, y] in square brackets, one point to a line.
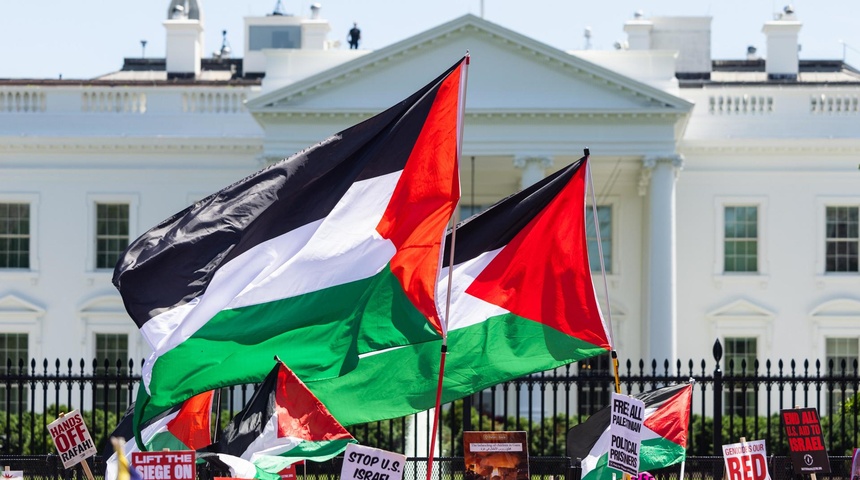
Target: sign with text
[72, 438]
[746, 461]
[496, 455]
[366, 463]
[167, 465]
[625, 432]
[803, 432]
[288, 473]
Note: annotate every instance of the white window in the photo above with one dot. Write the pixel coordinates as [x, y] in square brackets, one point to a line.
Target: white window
[14, 360]
[112, 222]
[604, 222]
[112, 362]
[741, 242]
[15, 235]
[841, 360]
[841, 239]
[741, 354]
[740, 237]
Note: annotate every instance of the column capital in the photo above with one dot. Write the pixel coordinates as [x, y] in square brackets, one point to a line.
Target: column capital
[675, 159]
[543, 161]
[650, 162]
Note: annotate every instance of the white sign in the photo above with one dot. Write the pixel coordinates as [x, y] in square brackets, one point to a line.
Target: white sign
[9, 474]
[746, 461]
[72, 438]
[625, 427]
[366, 463]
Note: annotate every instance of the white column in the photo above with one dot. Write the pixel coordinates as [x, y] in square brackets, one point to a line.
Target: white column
[533, 167]
[662, 310]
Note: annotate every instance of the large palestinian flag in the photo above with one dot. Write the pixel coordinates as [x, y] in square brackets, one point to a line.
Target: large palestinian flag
[282, 424]
[522, 301]
[183, 427]
[329, 254]
[664, 434]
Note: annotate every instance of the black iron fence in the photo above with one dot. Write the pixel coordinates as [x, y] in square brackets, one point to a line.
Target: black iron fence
[729, 401]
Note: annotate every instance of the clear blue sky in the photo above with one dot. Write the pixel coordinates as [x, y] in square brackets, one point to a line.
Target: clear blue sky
[87, 38]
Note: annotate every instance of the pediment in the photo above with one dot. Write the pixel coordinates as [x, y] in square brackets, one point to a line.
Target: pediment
[107, 304]
[741, 310]
[12, 305]
[508, 73]
[840, 308]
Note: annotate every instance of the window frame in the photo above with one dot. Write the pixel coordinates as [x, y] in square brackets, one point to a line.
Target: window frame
[613, 269]
[823, 277]
[93, 200]
[720, 204]
[32, 199]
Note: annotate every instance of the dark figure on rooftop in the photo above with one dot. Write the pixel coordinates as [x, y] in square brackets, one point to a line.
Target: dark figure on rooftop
[354, 36]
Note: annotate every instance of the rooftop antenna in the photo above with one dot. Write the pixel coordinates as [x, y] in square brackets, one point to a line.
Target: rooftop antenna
[143, 49]
[279, 9]
[588, 38]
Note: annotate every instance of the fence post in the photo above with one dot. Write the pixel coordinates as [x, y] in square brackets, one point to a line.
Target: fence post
[718, 399]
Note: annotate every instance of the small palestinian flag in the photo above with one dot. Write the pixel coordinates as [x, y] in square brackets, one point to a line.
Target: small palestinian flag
[327, 255]
[522, 301]
[664, 434]
[184, 427]
[283, 423]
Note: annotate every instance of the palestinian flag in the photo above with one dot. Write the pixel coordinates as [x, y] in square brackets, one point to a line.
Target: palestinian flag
[522, 301]
[329, 254]
[282, 424]
[184, 427]
[664, 434]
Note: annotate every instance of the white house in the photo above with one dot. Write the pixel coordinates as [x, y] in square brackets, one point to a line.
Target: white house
[727, 190]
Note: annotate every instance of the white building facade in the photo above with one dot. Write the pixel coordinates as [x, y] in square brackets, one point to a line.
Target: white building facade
[727, 191]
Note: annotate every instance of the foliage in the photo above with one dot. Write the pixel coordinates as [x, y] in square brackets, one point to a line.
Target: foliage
[24, 434]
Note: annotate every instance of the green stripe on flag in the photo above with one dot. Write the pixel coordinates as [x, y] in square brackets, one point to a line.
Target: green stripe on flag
[654, 453]
[402, 381]
[316, 334]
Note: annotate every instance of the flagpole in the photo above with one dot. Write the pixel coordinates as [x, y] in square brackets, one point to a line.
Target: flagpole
[443, 321]
[613, 353]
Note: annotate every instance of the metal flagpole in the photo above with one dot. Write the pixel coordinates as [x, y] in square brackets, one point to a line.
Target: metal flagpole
[443, 321]
[602, 270]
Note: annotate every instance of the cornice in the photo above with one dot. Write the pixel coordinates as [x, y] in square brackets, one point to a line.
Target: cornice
[649, 114]
[143, 145]
[827, 146]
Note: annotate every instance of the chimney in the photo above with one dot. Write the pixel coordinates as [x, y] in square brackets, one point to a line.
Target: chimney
[184, 26]
[782, 61]
[638, 32]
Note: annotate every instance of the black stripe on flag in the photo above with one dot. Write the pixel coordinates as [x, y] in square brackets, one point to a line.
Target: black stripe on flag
[173, 262]
[496, 226]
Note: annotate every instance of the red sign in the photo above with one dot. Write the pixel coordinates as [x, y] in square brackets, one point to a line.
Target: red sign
[288, 473]
[805, 441]
[746, 461]
[178, 465]
[72, 438]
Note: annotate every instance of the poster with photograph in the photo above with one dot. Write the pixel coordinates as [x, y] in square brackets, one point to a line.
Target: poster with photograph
[496, 455]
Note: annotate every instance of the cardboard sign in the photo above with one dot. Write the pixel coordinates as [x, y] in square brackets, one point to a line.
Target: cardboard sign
[746, 461]
[171, 465]
[72, 438]
[496, 455]
[625, 432]
[805, 441]
[366, 463]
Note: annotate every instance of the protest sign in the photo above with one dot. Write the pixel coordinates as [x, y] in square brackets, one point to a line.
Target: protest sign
[625, 427]
[746, 461]
[166, 465]
[366, 463]
[13, 474]
[72, 438]
[496, 455]
[805, 442]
